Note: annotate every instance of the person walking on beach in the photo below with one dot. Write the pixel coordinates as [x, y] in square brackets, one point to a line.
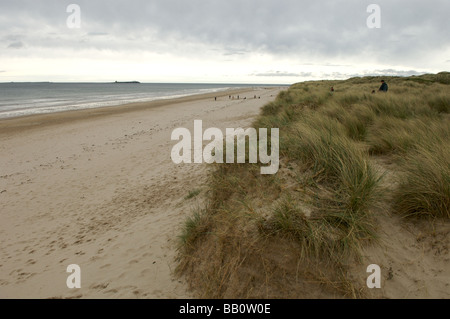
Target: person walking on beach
[383, 87]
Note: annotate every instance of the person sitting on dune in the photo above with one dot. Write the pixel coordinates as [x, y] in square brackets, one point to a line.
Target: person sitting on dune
[383, 87]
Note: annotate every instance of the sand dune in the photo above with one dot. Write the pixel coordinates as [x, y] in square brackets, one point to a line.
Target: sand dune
[97, 188]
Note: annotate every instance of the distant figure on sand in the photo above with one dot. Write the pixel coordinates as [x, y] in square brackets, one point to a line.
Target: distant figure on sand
[383, 87]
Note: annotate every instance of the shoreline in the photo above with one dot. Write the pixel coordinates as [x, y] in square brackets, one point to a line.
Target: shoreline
[8, 125]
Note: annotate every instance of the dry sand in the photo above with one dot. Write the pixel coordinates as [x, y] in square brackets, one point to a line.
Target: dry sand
[98, 188]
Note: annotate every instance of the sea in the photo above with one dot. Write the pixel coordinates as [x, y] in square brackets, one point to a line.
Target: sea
[22, 99]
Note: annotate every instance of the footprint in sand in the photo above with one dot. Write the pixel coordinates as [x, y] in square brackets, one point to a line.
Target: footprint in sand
[138, 293]
[31, 262]
[112, 291]
[23, 276]
[99, 286]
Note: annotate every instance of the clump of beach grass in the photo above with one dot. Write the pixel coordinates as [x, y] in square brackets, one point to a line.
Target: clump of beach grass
[424, 188]
[194, 227]
[193, 193]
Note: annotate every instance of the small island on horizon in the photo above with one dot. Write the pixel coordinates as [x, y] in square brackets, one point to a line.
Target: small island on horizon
[130, 82]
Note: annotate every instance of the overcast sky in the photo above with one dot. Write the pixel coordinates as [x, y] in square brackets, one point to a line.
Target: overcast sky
[224, 41]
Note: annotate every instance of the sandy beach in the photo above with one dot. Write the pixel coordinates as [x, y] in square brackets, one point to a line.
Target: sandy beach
[98, 188]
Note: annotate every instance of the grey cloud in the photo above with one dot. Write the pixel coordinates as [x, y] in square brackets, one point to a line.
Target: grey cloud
[336, 65]
[283, 74]
[228, 53]
[12, 37]
[385, 72]
[16, 45]
[392, 72]
[324, 64]
[97, 33]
